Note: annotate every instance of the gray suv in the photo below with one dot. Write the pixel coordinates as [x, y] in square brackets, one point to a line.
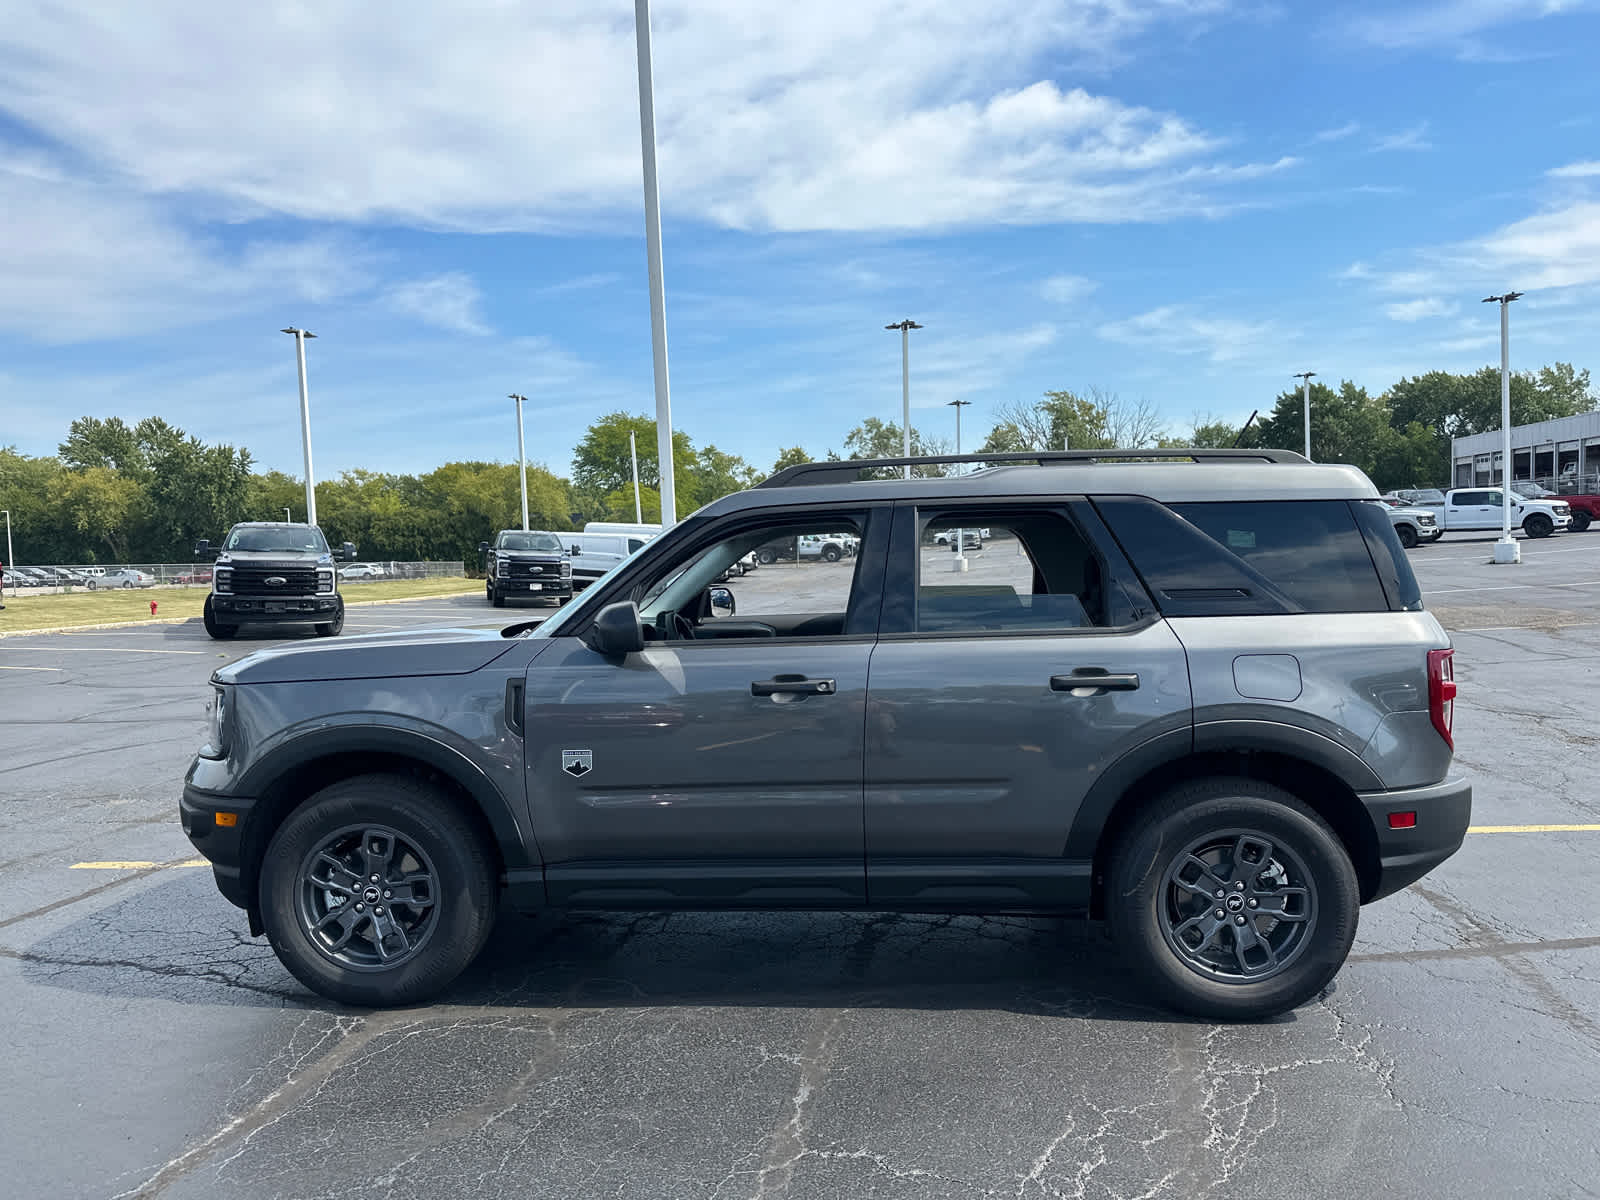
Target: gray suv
[1198, 699]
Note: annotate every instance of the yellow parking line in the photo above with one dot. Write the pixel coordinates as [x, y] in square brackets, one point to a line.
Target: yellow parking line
[135, 865]
[1533, 829]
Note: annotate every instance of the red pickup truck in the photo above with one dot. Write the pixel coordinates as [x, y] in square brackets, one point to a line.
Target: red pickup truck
[1585, 508]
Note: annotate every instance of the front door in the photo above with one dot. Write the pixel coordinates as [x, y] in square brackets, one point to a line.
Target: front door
[1475, 510]
[720, 765]
[1023, 670]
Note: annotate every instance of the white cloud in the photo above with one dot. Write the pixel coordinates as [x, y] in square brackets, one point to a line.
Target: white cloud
[1452, 24]
[1414, 138]
[1417, 310]
[1556, 249]
[1066, 289]
[1338, 133]
[1577, 170]
[1180, 330]
[450, 301]
[838, 114]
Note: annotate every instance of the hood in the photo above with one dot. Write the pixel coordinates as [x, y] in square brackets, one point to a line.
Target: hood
[1411, 510]
[418, 652]
[272, 558]
[532, 555]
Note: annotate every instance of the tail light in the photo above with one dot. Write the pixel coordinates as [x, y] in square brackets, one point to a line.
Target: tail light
[1442, 692]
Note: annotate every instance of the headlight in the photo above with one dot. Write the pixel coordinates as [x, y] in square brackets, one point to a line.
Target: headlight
[502, 568]
[566, 569]
[222, 579]
[325, 581]
[216, 745]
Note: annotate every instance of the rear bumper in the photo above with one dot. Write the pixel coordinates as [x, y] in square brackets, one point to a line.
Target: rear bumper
[289, 609]
[223, 845]
[1443, 812]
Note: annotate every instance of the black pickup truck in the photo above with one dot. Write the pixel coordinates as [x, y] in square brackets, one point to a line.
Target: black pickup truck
[273, 572]
[526, 564]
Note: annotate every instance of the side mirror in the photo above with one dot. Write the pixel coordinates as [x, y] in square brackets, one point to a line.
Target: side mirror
[202, 549]
[348, 550]
[483, 547]
[617, 630]
[721, 601]
[575, 549]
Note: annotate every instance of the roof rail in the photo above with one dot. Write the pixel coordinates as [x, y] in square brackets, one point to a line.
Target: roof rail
[849, 470]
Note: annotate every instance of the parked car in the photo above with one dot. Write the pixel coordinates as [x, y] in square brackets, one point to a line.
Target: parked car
[123, 577]
[1414, 525]
[274, 573]
[28, 577]
[1483, 509]
[361, 571]
[526, 564]
[1417, 497]
[1585, 508]
[595, 552]
[197, 575]
[1225, 794]
[823, 547]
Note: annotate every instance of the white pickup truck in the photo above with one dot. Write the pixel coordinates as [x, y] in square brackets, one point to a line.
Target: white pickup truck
[1480, 509]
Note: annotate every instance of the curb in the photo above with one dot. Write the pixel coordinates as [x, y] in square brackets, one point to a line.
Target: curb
[5, 633]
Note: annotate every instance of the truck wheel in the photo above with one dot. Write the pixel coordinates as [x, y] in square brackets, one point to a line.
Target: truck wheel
[1538, 525]
[215, 628]
[92, 584]
[1408, 536]
[766, 556]
[496, 599]
[830, 553]
[334, 627]
[377, 891]
[1580, 522]
[1233, 899]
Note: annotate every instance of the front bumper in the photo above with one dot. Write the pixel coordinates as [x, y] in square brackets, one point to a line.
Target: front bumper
[223, 845]
[270, 609]
[1443, 812]
[534, 587]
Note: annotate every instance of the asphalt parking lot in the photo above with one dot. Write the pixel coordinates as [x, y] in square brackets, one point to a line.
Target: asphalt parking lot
[152, 1048]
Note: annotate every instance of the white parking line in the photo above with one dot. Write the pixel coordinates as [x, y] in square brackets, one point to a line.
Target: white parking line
[3, 667]
[8, 645]
[1515, 587]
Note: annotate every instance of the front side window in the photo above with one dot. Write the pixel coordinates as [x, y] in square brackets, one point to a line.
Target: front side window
[988, 570]
[785, 579]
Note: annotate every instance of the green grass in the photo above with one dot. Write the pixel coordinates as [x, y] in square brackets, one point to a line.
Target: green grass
[132, 606]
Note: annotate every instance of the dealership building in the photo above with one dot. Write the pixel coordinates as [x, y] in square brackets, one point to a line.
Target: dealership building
[1563, 454]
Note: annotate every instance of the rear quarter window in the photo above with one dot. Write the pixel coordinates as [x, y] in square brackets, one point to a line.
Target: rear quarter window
[1241, 558]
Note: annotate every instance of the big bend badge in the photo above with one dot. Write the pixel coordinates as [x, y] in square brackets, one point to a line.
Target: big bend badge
[577, 763]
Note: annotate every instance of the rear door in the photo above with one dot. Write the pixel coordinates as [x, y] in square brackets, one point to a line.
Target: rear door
[1472, 510]
[1005, 681]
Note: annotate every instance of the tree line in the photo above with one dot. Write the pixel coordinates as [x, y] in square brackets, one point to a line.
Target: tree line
[145, 492]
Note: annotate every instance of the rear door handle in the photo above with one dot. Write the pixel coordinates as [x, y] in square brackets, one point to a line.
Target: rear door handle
[1094, 677]
[793, 685]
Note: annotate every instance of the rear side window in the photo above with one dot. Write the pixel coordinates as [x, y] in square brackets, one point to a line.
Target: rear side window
[1388, 555]
[1244, 558]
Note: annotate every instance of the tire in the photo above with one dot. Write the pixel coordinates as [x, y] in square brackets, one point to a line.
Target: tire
[334, 627]
[215, 628]
[93, 585]
[1151, 899]
[126, 584]
[831, 553]
[496, 599]
[1580, 522]
[415, 833]
[1408, 536]
[766, 556]
[1539, 526]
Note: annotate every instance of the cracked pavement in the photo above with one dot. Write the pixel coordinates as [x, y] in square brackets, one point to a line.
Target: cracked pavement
[153, 1049]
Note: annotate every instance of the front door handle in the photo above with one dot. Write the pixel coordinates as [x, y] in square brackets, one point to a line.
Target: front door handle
[1094, 677]
[793, 685]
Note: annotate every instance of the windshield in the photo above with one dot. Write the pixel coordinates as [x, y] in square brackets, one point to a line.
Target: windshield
[547, 543]
[288, 539]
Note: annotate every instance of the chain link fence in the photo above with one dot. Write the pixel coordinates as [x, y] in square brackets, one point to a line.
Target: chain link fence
[43, 580]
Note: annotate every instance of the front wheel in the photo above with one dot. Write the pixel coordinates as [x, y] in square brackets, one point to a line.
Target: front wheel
[1408, 536]
[377, 891]
[830, 554]
[766, 557]
[214, 627]
[334, 627]
[1580, 522]
[1538, 525]
[1233, 899]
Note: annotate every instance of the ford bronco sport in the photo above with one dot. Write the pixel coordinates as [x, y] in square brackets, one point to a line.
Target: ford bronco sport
[1198, 698]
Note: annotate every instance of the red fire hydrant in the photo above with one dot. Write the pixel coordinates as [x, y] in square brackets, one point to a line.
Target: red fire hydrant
[152, 608]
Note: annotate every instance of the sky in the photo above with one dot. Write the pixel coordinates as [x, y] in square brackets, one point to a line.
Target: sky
[1179, 201]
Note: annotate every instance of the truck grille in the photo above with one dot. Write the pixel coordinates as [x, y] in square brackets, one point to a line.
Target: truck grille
[252, 581]
[527, 570]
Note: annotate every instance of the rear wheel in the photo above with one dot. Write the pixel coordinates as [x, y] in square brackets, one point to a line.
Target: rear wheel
[831, 554]
[1233, 899]
[1538, 525]
[766, 557]
[377, 891]
[1408, 536]
[214, 627]
[1580, 522]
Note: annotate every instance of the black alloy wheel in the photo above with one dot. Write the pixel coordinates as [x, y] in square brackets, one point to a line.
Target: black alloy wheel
[214, 627]
[1538, 525]
[334, 627]
[1580, 522]
[1408, 536]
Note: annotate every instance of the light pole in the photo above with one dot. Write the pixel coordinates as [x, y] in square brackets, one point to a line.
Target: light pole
[633, 454]
[522, 459]
[652, 238]
[10, 561]
[300, 336]
[1506, 550]
[287, 519]
[961, 534]
[1305, 378]
[905, 327]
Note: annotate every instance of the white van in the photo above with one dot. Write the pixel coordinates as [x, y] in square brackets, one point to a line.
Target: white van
[595, 553]
[646, 530]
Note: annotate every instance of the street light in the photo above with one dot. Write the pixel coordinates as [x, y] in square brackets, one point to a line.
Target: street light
[1506, 550]
[961, 534]
[287, 519]
[905, 327]
[522, 458]
[10, 561]
[1305, 377]
[300, 336]
[652, 238]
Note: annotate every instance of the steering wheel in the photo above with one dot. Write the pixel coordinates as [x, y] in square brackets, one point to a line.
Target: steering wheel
[672, 625]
